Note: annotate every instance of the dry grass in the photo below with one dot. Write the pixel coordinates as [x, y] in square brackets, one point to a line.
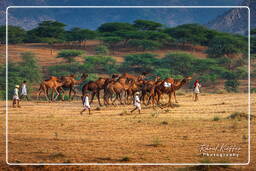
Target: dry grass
[56, 132]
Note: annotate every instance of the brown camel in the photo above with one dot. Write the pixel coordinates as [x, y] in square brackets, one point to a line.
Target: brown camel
[70, 82]
[160, 89]
[96, 86]
[118, 88]
[149, 88]
[53, 83]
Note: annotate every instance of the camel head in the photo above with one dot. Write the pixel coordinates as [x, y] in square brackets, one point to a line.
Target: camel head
[115, 76]
[188, 78]
[84, 76]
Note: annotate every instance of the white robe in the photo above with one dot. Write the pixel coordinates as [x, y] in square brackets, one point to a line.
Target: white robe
[86, 102]
[196, 89]
[24, 90]
[16, 94]
[137, 102]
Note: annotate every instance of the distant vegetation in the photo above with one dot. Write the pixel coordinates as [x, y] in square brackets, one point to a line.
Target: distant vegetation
[227, 52]
[26, 70]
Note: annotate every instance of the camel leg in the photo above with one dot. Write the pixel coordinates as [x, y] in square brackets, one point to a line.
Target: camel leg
[174, 95]
[38, 95]
[120, 98]
[74, 91]
[63, 93]
[98, 96]
[69, 94]
[93, 94]
[56, 93]
[46, 95]
[170, 100]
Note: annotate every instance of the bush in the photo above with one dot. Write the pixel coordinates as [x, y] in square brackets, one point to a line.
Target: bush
[101, 50]
[27, 70]
[140, 62]
[102, 64]
[232, 85]
[180, 63]
[69, 54]
[66, 69]
[144, 44]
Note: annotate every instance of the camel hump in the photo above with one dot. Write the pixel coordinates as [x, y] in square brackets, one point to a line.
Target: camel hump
[53, 78]
[72, 75]
[169, 80]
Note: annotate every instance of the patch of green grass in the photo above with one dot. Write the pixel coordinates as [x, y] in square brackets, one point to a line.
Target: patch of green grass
[164, 123]
[216, 118]
[156, 142]
[56, 155]
[125, 159]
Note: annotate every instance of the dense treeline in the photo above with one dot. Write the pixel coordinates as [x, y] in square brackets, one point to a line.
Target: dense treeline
[227, 52]
[140, 35]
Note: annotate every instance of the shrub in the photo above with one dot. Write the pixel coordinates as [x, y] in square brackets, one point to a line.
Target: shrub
[101, 50]
[27, 69]
[231, 85]
[216, 118]
[66, 69]
[180, 63]
[144, 44]
[102, 64]
[69, 54]
[140, 62]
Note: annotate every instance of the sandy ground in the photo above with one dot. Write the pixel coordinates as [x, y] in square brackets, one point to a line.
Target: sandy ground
[56, 132]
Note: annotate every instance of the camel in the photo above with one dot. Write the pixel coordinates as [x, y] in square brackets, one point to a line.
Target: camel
[96, 86]
[149, 88]
[118, 87]
[133, 77]
[53, 83]
[70, 82]
[160, 89]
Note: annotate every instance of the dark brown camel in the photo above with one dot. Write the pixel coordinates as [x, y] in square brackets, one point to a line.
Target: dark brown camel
[70, 82]
[96, 86]
[149, 89]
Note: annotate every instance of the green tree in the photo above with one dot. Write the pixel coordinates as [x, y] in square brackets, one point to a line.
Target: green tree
[140, 62]
[112, 41]
[81, 35]
[29, 68]
[144, 44]
[50, 41]
[232, 85]
[47, 29]
[190, 33]
[15, 34]
[115, 26]
[179, 63]
[69, 54]
[147, 25]
[102, 64]
[101, 50]
[226, 45]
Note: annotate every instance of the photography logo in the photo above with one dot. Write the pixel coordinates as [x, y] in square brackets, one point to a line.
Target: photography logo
[219, 150]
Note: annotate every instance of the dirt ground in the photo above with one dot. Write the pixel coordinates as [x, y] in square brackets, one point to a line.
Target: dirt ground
[56, 132]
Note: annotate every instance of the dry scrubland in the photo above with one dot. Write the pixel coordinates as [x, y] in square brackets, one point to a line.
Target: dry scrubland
[56, 132]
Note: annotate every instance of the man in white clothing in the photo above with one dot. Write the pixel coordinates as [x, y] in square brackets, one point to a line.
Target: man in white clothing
[137, 102]
[24, 92]
[86, 104]
[16, 99]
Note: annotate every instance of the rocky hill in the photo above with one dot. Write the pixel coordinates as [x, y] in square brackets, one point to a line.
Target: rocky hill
[236, 20]
[29, 18]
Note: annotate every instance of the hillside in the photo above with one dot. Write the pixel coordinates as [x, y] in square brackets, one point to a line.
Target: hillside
[235, 20]
[76, 17]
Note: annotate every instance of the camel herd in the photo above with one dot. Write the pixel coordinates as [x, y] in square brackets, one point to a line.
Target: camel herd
[117, 87]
